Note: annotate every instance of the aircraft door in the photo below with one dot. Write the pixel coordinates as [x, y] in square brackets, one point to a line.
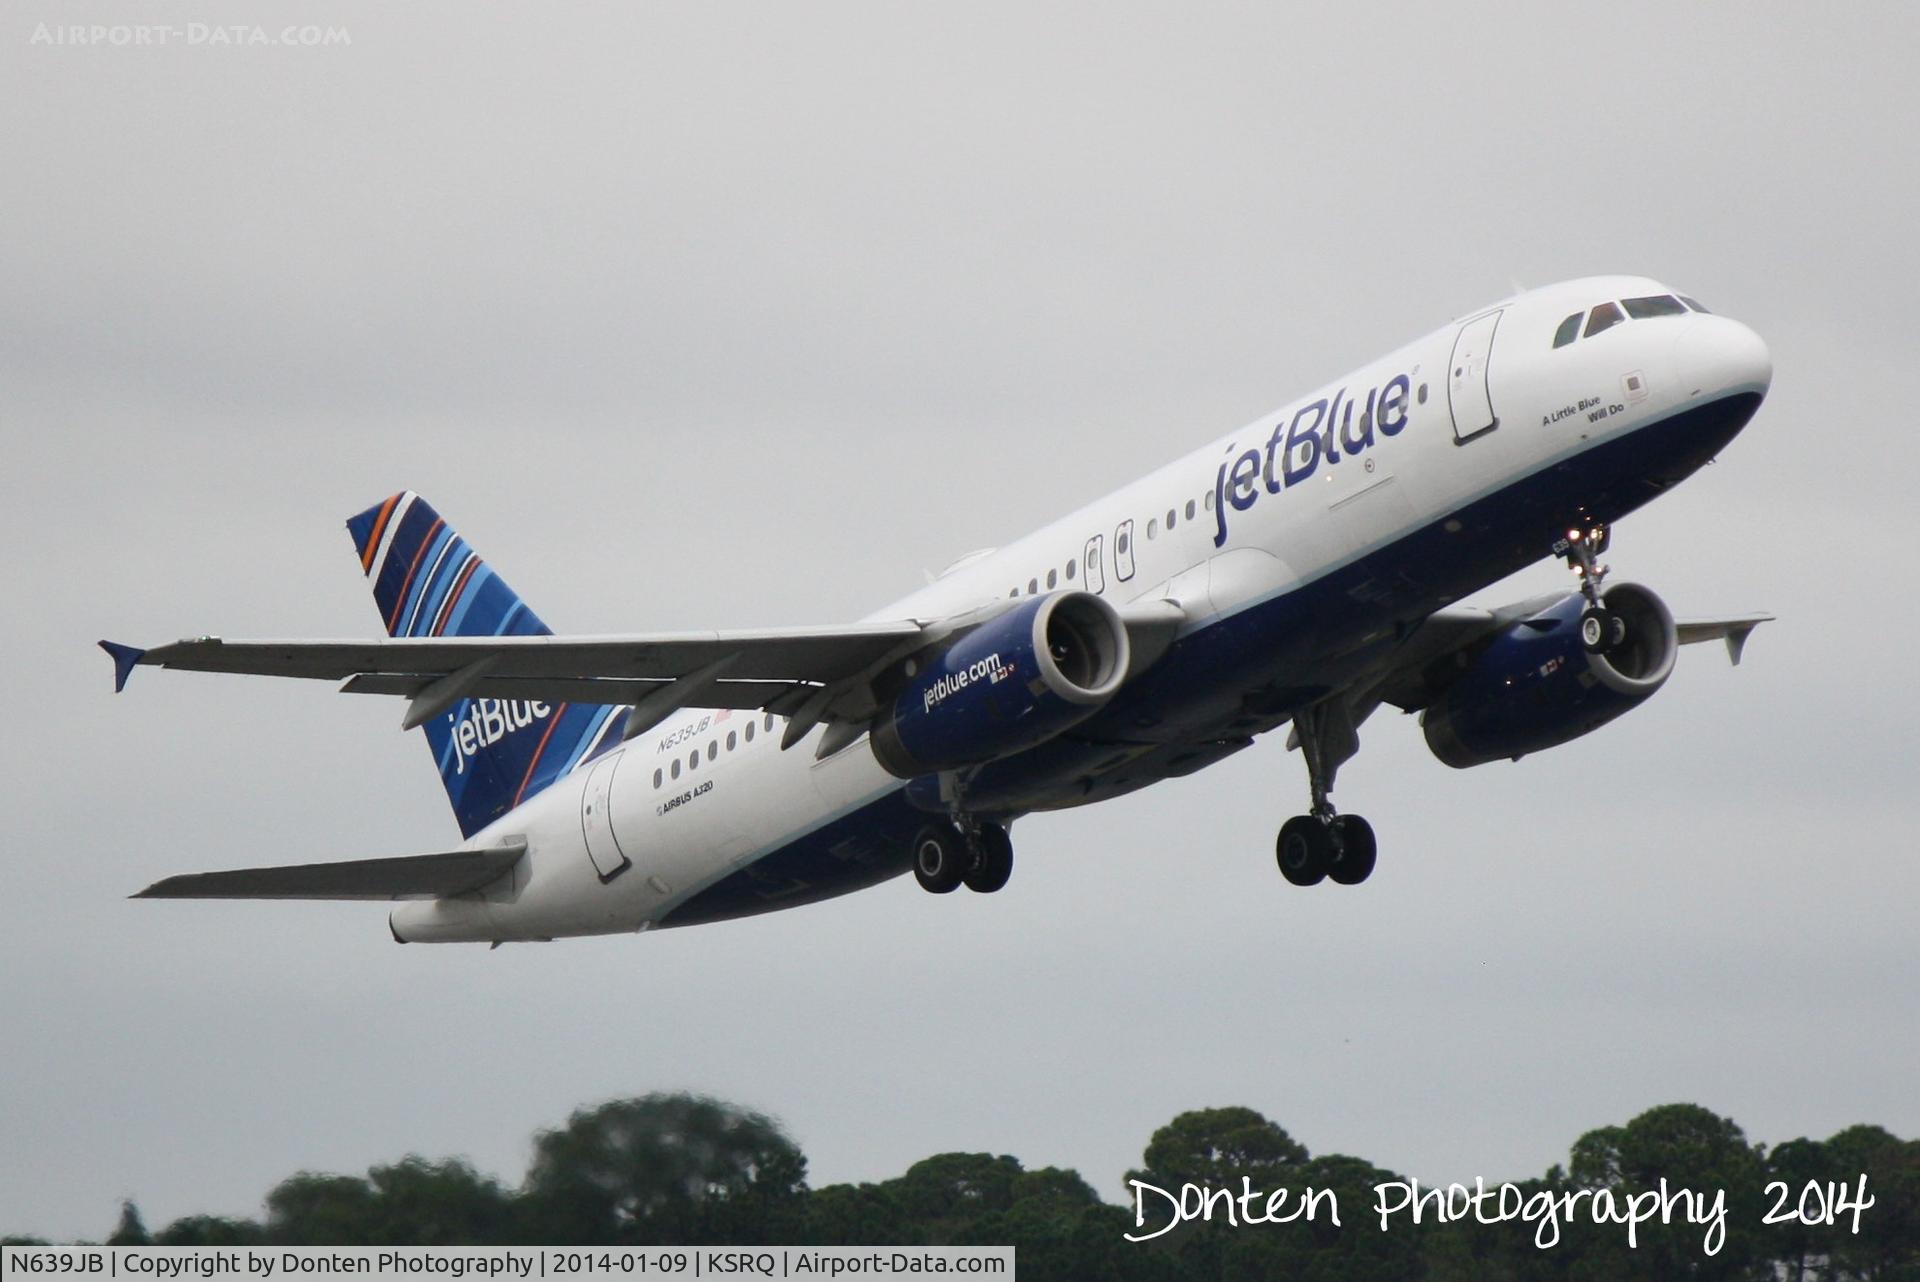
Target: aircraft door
[1123, 551]
[1096, 573]
[1467, 396]
[596, 819]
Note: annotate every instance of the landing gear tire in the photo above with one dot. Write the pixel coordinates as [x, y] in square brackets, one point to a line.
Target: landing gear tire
[940, 859]
[992, 860]
[1304, 850]
[1601, 629]
[1357, 850]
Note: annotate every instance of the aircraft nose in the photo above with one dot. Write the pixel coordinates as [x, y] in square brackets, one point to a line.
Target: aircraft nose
[1718, 355]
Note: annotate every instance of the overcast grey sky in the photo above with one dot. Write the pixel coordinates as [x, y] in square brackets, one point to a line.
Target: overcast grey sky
[745, 315]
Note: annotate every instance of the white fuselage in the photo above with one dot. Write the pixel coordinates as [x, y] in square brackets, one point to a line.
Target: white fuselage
[1442, 427]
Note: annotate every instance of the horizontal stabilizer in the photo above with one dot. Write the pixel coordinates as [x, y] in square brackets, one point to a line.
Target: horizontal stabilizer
[407, 877]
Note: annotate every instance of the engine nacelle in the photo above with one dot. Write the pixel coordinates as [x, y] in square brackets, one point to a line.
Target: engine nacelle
[1015, 681]
[1536, 686]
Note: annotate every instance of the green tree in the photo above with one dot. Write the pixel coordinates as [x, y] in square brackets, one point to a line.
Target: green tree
[1218, 1146]
[665, 1168]
[130, 1231]
[1692, 1149]
[310, 1209]
[1801, 1249]
[411, 1202]
[437, 1204]
[856, 1215]
[1226, 1149]
[1887, 1248]
[1041, 1221]
[941, 1194]
[1099, 1251]
[209, 1230]
[1468, 1251]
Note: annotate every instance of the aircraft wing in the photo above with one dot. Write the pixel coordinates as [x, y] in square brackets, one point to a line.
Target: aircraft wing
[1734, 631]
[1424, 661]
[408, 877]
[1447, 632]
[780, 670]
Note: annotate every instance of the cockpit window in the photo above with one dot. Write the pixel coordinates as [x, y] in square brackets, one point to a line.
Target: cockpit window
[1605, 316]
[1654, 305]
[1694, 303]
[1568, 331]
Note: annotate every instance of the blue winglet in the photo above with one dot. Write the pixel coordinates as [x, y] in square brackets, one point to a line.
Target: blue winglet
[124, 657]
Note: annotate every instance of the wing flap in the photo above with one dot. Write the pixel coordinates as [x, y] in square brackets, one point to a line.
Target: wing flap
[725, 694]
[432, 876]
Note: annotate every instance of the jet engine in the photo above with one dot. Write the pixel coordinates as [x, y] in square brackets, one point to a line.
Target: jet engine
[1015, 681]
[1536, 685]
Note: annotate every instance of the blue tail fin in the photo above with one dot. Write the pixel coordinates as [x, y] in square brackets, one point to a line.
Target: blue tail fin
[493, 754]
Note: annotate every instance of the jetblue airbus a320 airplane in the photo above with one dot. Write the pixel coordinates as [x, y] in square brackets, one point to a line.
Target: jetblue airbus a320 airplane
[1302, 570]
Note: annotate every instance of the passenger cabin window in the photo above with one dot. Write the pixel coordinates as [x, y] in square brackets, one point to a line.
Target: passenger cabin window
[1655, 305]
[1605, 316]
[1568, 331]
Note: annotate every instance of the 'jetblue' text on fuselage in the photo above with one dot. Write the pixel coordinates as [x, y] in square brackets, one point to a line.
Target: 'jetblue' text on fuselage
[1324, 428]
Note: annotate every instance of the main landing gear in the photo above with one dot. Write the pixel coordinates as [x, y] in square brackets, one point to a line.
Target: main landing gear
[1601, 630]
[947, 856]
[1325, 845]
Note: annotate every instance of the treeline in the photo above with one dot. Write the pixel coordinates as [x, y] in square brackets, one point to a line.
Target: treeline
[683, 1169]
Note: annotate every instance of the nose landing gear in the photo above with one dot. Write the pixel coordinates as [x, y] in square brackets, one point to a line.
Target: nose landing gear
[1601, 630]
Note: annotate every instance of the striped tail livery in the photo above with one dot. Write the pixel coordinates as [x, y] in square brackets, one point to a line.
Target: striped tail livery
[427, 581]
